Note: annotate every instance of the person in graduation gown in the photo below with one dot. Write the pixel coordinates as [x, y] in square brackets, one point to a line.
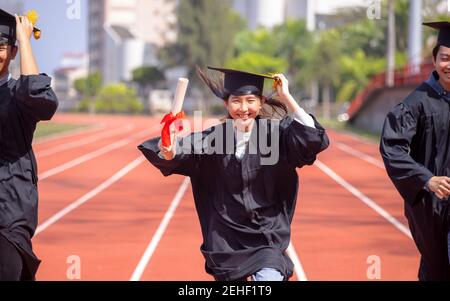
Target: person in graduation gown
[415, 146]
[245, 205]
[23, 103]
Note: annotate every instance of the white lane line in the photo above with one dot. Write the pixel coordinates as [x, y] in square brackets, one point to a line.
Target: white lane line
[117, 176]
[68, 134]
[366, 200]
[358, 138]
[298, 268]
[81, 142]
[137, 274]
[360, 155]
[89, 156]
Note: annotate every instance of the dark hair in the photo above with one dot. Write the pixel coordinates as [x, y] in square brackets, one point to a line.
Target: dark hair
[215, 86]
[436, 50]
[272, 107]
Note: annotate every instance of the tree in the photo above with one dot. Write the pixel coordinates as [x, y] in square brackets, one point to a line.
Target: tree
[365, 35]
[118, 98]
[324, 66]
[356, 70]
[294, 43]
[146, 77]
[206, 29]
[257, 62]
[89, 87]
[286, 48]
[260, 40]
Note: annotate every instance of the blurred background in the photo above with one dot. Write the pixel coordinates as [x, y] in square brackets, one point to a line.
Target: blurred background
[348, 61]
[115, 65]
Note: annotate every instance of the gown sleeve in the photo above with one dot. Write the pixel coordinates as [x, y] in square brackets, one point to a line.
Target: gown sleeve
[408, 176]
[35, 96]
[184, 163]
[300, 143]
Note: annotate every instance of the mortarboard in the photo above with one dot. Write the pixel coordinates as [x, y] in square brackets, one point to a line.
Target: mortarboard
[444, 31]
[8, 28]
[242, 83]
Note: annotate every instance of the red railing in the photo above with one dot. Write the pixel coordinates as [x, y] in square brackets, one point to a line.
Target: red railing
[402, 76]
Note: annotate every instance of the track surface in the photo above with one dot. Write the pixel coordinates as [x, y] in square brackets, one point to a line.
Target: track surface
[102, 203]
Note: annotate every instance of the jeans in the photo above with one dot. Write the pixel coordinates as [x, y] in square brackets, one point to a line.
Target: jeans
[267, 274]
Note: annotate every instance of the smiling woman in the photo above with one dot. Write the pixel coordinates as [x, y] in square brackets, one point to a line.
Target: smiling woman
[245, 204]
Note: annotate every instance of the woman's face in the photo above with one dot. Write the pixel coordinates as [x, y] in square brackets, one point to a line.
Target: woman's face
[244, 107]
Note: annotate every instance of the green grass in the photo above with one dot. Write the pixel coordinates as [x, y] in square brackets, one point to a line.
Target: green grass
[346, 128]
[47, 129]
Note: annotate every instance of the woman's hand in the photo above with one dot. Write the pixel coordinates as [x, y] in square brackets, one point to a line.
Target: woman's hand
[284, 94]
[24, 28]
[168, 151]
[282, 86]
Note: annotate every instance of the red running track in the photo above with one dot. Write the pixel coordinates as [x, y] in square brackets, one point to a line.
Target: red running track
[122, 220]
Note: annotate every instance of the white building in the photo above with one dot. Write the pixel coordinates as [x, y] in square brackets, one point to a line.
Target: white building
[73, 66]
[124, 53]
[125, 34]
[268, 13]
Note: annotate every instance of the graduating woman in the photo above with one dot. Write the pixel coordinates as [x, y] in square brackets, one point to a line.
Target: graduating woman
[245, 195]
[23, 103]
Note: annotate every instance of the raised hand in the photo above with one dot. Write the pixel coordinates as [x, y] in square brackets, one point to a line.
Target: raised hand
[24, 28]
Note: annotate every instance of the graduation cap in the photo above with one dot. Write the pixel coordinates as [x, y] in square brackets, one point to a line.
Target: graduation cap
[8, 28]
[444, 31]
[242, 83]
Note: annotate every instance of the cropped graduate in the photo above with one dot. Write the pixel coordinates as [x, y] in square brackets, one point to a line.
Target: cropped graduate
[415, 146]
[23, 103]
[245, 204]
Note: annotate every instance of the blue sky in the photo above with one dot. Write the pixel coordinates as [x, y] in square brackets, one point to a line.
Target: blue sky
[60, 34]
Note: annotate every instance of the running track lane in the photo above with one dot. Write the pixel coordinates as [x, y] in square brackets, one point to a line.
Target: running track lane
[332, 235]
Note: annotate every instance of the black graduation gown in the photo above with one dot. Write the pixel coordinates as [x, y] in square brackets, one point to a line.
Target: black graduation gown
[245, 208]
[415, 145]
[23, 103]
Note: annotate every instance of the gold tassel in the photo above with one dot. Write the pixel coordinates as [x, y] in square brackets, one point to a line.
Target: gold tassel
[33, 16]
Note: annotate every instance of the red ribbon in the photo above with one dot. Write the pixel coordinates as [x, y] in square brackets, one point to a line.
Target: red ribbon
[168, 119]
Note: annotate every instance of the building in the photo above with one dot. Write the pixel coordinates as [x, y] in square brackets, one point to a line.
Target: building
[73, 66]
[125, 34]
[124, 53]
[268, 13]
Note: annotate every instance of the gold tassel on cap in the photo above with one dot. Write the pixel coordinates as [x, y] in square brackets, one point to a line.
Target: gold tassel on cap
[33, 16]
